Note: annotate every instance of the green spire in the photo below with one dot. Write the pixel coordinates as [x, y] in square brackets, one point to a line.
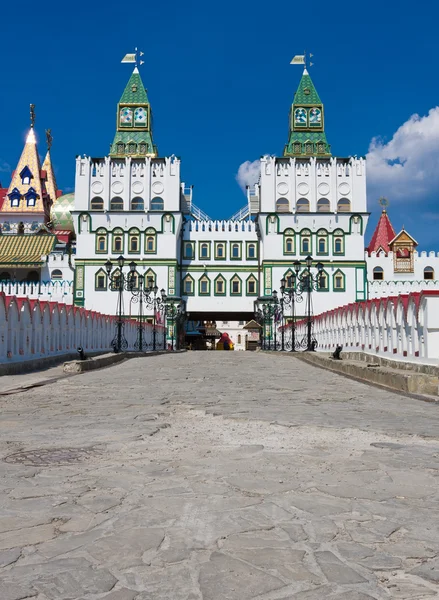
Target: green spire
[307, 127]
[134, 122]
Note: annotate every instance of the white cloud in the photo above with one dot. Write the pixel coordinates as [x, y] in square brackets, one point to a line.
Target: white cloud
[407, 166]
[248, 173]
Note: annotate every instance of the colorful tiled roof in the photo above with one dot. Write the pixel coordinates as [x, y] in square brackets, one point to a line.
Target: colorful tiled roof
[306, 92]
[382, 236]
[135, 92]
[29, 158]
[60, 213]
[25, 250]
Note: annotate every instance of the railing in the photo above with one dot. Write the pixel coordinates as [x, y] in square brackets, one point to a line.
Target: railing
[34, 329]
[198, 214]
[241, 214]
[404, 327]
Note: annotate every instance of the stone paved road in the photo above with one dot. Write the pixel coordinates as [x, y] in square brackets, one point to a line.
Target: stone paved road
[211, 476]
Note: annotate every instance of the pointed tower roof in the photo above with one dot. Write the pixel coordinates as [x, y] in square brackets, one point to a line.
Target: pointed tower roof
[26, 181]
[51, 187]
[134, 122]
[307, 126]
[383, 235]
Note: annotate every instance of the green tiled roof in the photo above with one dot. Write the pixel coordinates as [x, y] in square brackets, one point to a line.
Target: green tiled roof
[306, 92]
[307, 96]
[134, 92]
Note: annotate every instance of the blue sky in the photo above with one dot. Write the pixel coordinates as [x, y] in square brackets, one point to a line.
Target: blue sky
[220, 85]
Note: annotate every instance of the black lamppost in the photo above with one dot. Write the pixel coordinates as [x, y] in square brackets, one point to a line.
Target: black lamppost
[172, 311]
[118, 282]
[267, 311]
[289, 295]
[306, 283]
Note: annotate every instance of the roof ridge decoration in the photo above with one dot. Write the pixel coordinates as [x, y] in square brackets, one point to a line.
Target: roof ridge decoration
[307, 129]
[134, 121]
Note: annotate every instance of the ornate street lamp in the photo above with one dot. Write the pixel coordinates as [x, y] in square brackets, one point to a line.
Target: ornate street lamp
[117, 283]
[266, 313]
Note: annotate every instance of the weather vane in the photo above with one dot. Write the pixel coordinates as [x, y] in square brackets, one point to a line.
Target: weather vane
[49, 138]
[384, 202]
[301, 59]
[32, 115]
[134, 58]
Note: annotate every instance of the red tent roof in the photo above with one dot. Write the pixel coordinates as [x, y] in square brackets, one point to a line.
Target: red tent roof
[383, 234]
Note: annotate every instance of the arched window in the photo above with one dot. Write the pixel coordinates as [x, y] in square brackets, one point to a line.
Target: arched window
[300, 117]
[302, 205]
[239, 338]
[338, 241]
[5, 276]
[134, 243]
[236, 251]
[126, 117]
[97, 203]
[289, 245]
[289, 280]
[282, 205]
[235, 286]
[137, 204]
[204, 250]
[150, 279]
[220, 252]
[157, 203]
[56, 274]
[322, 245]
[323, 205]
[101, 242]
[428, 273]
[305, 242]
[251, 251]
[344, 205]
[118, 244]
[116, 204]
[378, 274]
[189, 250]
[150, 243]
[323, 282]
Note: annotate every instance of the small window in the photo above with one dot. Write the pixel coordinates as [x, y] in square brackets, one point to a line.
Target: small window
[282, 205]
[338, 245]
[306, 245]
[322, 282]
[204, 286]
[378, 274]
[150, 280]
[322, 245]
[289, 281]
[239, 338]
[204, 251]
[289, 245]
[323, 205]
[102, 243]
[338, 282]
[344, 205]
[157, 203]
[428, 273]
[220, 286]
[150, 243]
[134, 244]
[56, 274]
[97, 204]
[120, 149]
[251, 286]
[101, 281]
[302, 205]
[188, 286]
[251, 251]
[235, 286]
[236, 251]
[219, 251]
[189, 250]
[137, 204]
[15, 201]
[116, 204]
[117, 244]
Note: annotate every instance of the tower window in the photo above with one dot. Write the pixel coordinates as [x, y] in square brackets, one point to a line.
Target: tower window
[137, 204]
[282, 205]
[323, 205]
[132, 147]
[56, 274]
[302, 205]
[116, 204]
[428, 273]
[120, 148]
[378, 274]
[117, 245]
[157, 203]
[97, 203]
[297, 148]
[344, 205]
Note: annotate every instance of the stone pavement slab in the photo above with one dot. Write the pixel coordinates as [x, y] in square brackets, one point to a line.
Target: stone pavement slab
[206, 476]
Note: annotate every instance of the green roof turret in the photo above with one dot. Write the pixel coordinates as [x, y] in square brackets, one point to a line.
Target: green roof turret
[307, 127]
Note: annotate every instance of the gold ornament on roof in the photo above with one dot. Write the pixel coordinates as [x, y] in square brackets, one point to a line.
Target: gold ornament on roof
[384, 203]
